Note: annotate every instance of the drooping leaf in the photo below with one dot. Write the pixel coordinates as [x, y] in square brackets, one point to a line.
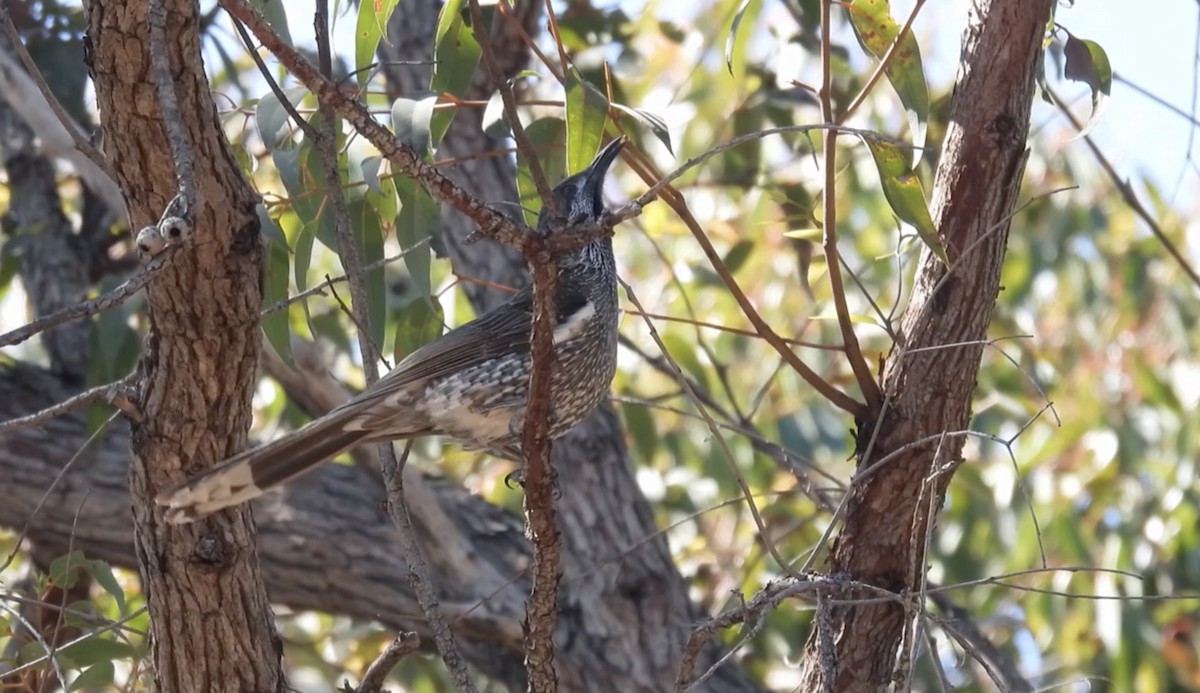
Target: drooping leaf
[416, 223]
[371, 25]
[877, 31]
[370, 173]
[99, 676]
[587, 113]
[1087, 62]
[411, 117]
[103, 575]
[656, 125]
[904, 193]
[733, 31]
[270, 116]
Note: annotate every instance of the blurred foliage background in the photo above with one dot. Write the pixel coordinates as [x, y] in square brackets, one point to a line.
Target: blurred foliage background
[1070, 532]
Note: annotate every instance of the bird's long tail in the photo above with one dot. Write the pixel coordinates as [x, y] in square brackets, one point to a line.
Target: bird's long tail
[248, 475]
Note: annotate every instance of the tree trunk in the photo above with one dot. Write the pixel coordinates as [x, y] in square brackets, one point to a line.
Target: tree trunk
[211, 626]
[928, 385]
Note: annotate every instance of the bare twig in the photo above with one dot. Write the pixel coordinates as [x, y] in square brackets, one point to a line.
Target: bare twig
[713, 428]
[90, 307]
[42, 501]
[862, 371]
[272, 84]
[172, 120]
[1128, 195]
[107, 392]
[33, 633]
[72, 129]
[404, 645]
[418, 575]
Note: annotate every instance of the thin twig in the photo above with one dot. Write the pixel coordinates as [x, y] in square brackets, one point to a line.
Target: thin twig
[172, 119]
[720, 438]
[18, 47]
[99, 393]
[90, 307]
[272, 84]
[46, 495]
[418, 576]
[405, 644]
[1128, 195]
[33, 633]
[858, 364]
[541, 608]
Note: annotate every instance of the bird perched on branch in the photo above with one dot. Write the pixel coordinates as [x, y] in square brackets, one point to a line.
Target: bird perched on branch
[470, 384]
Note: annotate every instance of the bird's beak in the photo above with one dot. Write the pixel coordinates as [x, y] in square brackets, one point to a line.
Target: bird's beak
[593, 175]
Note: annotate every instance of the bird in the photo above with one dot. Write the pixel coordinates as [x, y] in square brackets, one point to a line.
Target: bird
[470, 384]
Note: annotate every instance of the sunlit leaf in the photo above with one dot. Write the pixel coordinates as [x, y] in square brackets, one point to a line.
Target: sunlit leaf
[733, 32]
[877, 31]
[904, 193]
[372, 23]
[546, 135]
[587, 113]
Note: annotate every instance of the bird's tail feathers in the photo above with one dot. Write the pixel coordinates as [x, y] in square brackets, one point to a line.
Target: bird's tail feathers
[248, 475]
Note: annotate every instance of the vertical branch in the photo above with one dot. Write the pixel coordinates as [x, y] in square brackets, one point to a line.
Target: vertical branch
[418, 576]
[541, 609]
[862, 371]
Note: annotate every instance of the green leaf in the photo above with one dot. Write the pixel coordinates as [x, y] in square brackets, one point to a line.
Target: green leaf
[733, 30]
[369, 234]
[372, 23]
[877, 31]
[276, 15]
[904, 193]
[546, 135]
[276, 326]
[92, 651]
[658, 126]
[103, 575]
[411, 117]
[417, 222]
[270, 116]
[417, 324]
[587, 113]
[455, 55]
[640, 424]
[370, 173]
[737, 255]
[66, 570]
[1087, 62]
[98, 676]
[683, 353]
[268, 227]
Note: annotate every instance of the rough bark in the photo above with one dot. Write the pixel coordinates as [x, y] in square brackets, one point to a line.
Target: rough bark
[211, 625]
[928, 389]
[624, 623]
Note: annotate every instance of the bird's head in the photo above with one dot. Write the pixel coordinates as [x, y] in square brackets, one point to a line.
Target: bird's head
[580, 197]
